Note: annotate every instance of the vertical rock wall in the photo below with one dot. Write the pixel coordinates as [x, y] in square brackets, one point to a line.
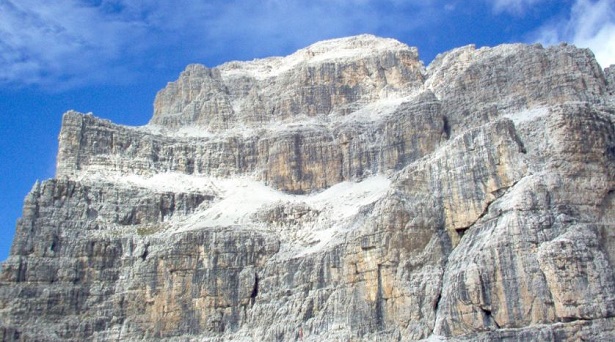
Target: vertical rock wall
[341, 193]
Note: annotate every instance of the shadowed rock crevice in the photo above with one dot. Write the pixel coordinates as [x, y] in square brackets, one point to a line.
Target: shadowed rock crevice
[145, 253]
[254, 290]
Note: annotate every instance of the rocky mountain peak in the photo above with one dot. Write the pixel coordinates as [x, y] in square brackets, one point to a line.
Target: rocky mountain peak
[343, 192]
[350, 48]
[341, 50]
[333, 77]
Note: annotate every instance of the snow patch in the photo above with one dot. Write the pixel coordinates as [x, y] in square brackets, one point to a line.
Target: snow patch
[344, 199]
[379, 109]
[239, 203]
[344, 49]
[527, 115]
[240, 198]
[161, 182]
[435, 338]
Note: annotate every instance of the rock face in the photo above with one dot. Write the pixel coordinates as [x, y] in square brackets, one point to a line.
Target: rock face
[344, 192]
[610, 78]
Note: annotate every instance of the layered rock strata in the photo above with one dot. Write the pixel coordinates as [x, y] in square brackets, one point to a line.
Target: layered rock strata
[344, 192]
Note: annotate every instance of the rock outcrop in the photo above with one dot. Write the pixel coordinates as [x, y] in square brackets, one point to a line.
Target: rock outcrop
[610, 79]
[344, 192]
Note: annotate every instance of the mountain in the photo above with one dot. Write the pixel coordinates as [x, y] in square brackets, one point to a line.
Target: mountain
[344, 192]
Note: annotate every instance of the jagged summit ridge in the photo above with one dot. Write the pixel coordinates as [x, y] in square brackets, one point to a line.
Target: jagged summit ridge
[345, 194]
[339, 77]
[332, 77]
[334, 50]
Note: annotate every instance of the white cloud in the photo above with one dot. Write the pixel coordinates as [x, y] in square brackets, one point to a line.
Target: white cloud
[41, 41]
[82, 42]
[591, 24]
[75, 42]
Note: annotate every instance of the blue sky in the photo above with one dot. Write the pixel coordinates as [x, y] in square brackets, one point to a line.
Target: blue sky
[110, 57]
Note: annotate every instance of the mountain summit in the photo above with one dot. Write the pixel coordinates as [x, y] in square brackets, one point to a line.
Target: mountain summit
[329, 78]
[344, 192]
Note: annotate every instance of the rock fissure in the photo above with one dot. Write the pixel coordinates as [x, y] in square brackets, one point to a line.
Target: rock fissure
[499, 193]
[254, 290]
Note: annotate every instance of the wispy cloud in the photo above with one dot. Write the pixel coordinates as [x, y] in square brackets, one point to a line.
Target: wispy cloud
[83, 42]
[516, 7]
[89, 41]
[43, 41]
[591, 24]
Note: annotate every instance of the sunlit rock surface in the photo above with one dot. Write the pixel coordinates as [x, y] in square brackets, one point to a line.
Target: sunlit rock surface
[344, 192]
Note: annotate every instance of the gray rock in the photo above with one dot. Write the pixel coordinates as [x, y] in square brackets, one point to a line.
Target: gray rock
[344, 192]
[609, 73]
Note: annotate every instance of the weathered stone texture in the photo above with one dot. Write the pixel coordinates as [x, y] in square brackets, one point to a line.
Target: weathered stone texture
[473, 200]
[477, 84]
[609, 74]
[298, 159]
[318, 80]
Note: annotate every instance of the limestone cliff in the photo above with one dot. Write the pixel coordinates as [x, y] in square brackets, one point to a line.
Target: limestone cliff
[344, 192]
